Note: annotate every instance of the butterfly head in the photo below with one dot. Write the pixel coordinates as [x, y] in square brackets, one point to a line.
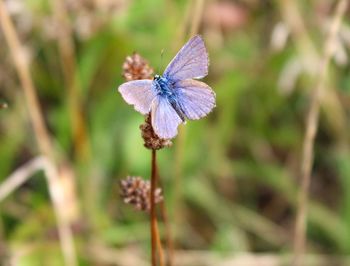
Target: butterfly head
[156, 77]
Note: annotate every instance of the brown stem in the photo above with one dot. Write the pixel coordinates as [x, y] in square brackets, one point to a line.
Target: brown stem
[153, 217]
[159, 248]
[310, 134]
[155, 236]
[69, 67]
[169, 241]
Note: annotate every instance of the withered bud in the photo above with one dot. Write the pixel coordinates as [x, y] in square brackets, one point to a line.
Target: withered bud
[137, 192]
[136, 67]
[152, 141]
[3, 105]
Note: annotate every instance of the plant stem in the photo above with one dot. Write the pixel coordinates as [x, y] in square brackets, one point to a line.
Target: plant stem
[197, 17]
[153, 209]
[155, 237]
[21, 64]
[20, 176]
[310, 134]
[69, 67]
[159, 247]
[41, 133]
[169, 242]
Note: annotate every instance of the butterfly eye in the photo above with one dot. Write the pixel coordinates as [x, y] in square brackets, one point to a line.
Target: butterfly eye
[156, 77]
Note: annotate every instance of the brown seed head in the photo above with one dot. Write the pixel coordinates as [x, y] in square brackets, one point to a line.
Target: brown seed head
[152, 141]
[137, 192]
[136, 67]
[3, 105]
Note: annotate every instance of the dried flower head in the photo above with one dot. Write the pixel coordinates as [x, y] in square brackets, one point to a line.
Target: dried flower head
[137, 192]
[152, 141]
[136, 67]
[3, 105]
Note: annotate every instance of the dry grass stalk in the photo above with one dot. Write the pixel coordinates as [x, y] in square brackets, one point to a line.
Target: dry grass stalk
[41, 134]
[105, 255]
[25, 172]
[20, 176]
[310, 134]
[69, 67]
[21, 63]
[198, 7]
[309, 56]
[301, 36]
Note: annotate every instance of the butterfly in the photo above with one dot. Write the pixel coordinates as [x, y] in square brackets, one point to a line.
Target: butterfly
[176, 95]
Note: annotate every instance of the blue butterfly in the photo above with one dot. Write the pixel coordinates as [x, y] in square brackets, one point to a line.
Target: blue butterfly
[175, 96]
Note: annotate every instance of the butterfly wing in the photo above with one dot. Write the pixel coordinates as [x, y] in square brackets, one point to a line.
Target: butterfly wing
[195, 98]
[190, 62]
[165, 119]
[139, 93]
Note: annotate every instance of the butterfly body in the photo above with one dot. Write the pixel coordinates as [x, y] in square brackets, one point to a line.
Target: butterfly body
[176, 95]
[163, 86]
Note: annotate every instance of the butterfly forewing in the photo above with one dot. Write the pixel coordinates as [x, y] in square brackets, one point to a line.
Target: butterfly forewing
[190, 62]
[139, 93]
[165, 120]
[195, 98]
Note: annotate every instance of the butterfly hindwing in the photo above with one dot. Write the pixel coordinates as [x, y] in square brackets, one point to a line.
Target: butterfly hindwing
[139, 93]
[190, 62]
[165, 119]
[195, 98]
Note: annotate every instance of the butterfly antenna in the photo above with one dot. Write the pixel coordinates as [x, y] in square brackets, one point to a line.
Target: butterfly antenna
[161, 60]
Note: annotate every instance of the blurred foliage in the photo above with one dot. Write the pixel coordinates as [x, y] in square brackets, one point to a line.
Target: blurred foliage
[230, 180]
